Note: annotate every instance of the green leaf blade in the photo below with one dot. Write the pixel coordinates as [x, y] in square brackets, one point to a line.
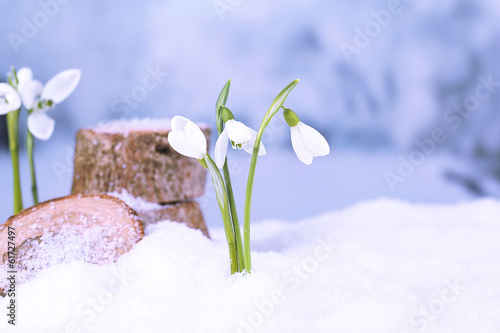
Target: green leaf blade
[221, 101]
[279, 100]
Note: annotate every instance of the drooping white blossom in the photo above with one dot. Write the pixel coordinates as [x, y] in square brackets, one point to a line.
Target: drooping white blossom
[187, 139]
[308, 143]
[241, 137]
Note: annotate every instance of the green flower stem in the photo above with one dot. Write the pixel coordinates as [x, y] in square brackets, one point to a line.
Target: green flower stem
[12, 128]
[222, 200]
[221, 101]
[273, 109]
[234, 218]
[30, 142]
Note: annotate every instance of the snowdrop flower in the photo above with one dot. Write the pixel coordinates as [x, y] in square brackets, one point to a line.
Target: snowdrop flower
[306, 141]
[240, 135]
[187, 139]
[9, 99]
[41, 99]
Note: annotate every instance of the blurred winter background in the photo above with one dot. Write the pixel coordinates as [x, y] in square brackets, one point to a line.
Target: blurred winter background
[406, 92]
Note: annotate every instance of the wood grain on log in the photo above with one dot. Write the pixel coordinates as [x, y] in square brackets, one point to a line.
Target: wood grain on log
[141, 162]
[103, 227]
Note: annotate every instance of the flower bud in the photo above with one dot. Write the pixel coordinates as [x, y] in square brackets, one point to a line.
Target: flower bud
[226, 114]
[291, 117]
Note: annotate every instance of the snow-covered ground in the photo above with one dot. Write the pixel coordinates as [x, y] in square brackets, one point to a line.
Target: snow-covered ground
[378, 266]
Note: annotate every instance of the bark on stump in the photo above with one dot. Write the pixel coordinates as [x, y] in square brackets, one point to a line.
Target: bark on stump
[141, 162]
[187, 212]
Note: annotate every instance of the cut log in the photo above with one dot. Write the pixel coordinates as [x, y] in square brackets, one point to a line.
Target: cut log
[96, 229]
[140, 161]
[187, 212]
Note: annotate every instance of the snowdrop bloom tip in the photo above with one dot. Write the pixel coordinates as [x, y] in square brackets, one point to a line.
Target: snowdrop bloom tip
[187, 139]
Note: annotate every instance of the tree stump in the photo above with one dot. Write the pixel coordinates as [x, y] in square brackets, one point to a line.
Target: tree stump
[187, 212]
[132, 160]
[94, 228]
[137, 158]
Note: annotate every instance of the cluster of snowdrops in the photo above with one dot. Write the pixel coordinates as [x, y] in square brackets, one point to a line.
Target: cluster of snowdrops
[188, 139]
[185, 137]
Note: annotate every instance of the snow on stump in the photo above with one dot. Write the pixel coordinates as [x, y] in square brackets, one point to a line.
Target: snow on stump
[95, 228]
[135, 155]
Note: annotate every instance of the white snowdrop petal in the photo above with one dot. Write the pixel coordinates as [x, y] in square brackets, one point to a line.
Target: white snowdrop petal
[299, 147]
[41, 125]
[28, 88]
[238, 132]
[313, 140]
[251, 143]
[221, 149]
[196, 139]
[61, 86]
[178, 123]
[9, 99]
[187, 138]
[24, 74]
[178, 141]
[29, 91]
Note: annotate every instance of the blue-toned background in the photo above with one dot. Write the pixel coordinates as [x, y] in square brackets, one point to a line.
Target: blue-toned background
[406, 92]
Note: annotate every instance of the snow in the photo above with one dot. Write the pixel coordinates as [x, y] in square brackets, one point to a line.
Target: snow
[125, 126]
[95, 244]
[136, 203]
[378, 266]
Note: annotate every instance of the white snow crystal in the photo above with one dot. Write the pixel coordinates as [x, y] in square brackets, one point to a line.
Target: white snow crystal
[136, 203]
